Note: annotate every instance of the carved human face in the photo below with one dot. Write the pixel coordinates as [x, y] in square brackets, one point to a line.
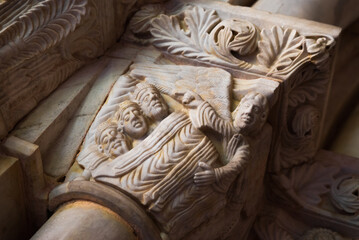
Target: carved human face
[133, 122]
[112, 143]
[153, 105]
[249, 116]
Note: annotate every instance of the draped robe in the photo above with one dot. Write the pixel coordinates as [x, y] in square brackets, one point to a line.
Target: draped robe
[159, 171]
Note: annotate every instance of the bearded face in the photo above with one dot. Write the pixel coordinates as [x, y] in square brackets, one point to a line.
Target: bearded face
[153, 105]
[113, 143]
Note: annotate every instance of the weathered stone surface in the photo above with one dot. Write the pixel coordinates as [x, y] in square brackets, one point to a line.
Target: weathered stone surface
[61, 155]
[50, 43]
[214, 106]
[13, 216]
[85, 220]
[31, 163]
[48, 119]
[115, 200]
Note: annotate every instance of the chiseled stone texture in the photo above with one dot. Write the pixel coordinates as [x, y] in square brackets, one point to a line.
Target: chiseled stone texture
[13, 216]
[85, 220]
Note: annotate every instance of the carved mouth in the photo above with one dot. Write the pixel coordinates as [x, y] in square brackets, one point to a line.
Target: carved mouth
[117, 145]
[157, 104]
[137, 124]
[246, 118]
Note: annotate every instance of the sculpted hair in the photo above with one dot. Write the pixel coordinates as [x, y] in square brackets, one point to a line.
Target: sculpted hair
[140, 87]
[102, 127]
[122, 107]
[262, 100]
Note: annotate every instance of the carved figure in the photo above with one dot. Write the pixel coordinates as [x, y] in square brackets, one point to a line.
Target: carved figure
[130, 120]
[110, 141]
[150, 101]
[249, 118]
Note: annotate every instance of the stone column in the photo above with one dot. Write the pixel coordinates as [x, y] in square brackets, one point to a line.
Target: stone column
[85, 220]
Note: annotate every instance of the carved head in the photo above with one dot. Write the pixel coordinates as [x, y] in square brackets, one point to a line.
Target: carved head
[251, 113]
[110, 141]
[150, 101]
[130, 119]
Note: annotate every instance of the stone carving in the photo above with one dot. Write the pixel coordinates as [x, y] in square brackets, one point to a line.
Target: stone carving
[321, 233]
[110, 141]
[44, 42]
[167, 135]
[268, 229]
[203, 36]
[130, 120]
[307, 184]
[39, 30]
[301, 136]
[344, 194]
[174, 167]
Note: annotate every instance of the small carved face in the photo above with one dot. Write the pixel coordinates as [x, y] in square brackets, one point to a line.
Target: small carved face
[113, 143]
[152, 104]
[133, 122]
[249, 116]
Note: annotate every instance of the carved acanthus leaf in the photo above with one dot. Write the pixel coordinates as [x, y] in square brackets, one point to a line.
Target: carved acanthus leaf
[345, 193]
[308, 85]
[142, 21]
[193, 38]
[307, 183]
[279, 49]
[40, 28]
[267, 229]
[321, 233]
[236, 36]
[169, 35]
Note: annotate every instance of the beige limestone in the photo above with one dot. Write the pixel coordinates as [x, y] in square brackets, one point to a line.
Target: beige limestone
[31, 165]
[218, 72]
[48, 119]
[14, 223]
[60, 157]
[85, 220]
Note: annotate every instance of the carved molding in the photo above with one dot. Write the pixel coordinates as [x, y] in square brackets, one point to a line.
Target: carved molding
[43, 43]
[200, 34]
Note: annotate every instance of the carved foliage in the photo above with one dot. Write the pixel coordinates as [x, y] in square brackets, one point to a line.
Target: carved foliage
[199, 36]
[267, 229]
[40, 28]
[298, 143]
[321, 233]
[142, 20]
[279, 49]
[345, 194]
[307, 183]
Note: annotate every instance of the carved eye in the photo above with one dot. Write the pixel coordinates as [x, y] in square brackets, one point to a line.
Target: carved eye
[127, 117]
[113, 133]
[256, 109]
[136, 112]
[146, 99]
[105, 140]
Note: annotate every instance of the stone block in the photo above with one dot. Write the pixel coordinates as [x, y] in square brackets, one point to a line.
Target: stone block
[13, 218]
[61, 154]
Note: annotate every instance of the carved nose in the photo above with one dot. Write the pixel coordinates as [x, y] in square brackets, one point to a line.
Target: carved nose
[132, 115]
[152, 96]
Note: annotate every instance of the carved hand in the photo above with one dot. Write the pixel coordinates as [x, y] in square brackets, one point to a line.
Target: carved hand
[206, 176]
[188, 98]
